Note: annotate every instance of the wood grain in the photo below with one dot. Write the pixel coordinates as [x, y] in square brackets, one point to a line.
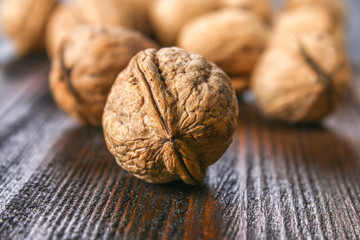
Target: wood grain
[58, 180]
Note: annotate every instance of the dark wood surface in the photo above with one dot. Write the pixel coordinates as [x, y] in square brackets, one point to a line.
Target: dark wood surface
[58, 181]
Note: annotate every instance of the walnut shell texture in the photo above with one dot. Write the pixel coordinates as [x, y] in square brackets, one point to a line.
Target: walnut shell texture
[310, 18]
[24, 21]
[170, 115]
[85, 68]
[301, 78]
[233, 39]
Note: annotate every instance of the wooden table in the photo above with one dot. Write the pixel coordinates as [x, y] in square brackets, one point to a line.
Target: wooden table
[58, 180]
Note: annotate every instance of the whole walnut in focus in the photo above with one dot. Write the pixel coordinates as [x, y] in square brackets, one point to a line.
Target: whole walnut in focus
[233, 39]
[309, 18]
[24, 22]
[86, 66]
[301, 78]
[336, 7]
[170, 115]
[263, 8]
[64, 20]
[168, 16]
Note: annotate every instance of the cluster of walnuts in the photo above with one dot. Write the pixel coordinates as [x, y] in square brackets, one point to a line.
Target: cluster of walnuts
[169, 113]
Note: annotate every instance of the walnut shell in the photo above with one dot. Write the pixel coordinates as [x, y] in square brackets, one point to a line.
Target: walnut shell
[170, 115]
[234, 39]
[309, 18]
[336, 7]
[86, 67]
[263, 8]
[122, 13]
[63, 21]
[114, 13]
[24, 21]
[168, 16]
[301, 78]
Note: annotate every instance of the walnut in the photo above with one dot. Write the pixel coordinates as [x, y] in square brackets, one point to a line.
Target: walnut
[301, 78]
[87, 65]
[309, 18]
[64, 20]
[170, 115]
[336, 7]
[235, 39]
[122, 13]
[24, 21]
[263, 8]
[168, 16]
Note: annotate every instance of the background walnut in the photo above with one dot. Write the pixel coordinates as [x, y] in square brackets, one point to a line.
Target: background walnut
[263, 8]
[24, 22]
[233, 39]
[87, 65]
[336, 7]
[168, 16]
[64, 20]
[122, 13]
[170, 115]
[301, 78]
[309, 18]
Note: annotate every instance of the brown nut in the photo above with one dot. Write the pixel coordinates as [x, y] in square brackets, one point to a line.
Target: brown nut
[168, 16]
[121, 13]
[170, 115]
[336, 7]
[63, 21]
[309, 18]
[87, 65]
[301, 78]
[24, 21]
[234, 39]
[263, 8]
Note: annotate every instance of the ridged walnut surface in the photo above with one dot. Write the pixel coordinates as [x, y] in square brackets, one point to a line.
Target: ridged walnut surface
[301, 78]
[170, 115]
[24, 22]
[87, 65]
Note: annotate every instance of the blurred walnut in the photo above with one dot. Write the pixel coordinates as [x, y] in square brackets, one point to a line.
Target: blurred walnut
[263, 8]
[114, 13]
[24, 22]
[64, 20]
[309, 18]
[231, 38]
[170, 115]
[336, 7]
[168, 16]
[301, 78]
[122, 13]
[85, 68]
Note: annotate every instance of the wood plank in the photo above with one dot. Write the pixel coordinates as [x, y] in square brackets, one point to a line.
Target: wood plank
[58, 180]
